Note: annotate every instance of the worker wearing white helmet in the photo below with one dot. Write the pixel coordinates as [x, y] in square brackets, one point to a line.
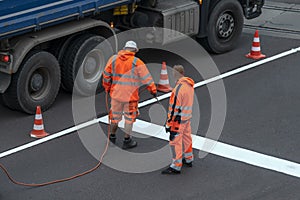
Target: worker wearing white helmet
[122, 77]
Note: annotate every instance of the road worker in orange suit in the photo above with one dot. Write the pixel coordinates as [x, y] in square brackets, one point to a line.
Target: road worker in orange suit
[178, 123]
[122, 77]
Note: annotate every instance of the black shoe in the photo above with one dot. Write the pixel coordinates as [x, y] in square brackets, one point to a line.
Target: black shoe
[190, 164]
[170, 170]
[112, 138]
[129, 143]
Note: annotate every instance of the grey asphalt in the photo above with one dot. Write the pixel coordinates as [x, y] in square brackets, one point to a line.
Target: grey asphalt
[276, 20]
[262, 115]
[285, 1]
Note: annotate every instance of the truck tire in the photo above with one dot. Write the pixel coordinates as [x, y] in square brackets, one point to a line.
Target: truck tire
[83, 64]
[224, 26]
[36, 83]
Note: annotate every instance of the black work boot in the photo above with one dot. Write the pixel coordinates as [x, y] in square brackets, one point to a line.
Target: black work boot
[170, 171]
[190, 164]
[129, 143]
[112, 138]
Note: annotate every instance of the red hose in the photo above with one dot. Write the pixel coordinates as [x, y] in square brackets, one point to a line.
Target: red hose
[68, 178]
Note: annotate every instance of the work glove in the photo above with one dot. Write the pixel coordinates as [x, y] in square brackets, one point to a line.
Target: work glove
[168, 129]
[172, 135]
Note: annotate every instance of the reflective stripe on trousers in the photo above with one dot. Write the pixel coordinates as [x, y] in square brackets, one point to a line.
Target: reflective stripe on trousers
[182, 145]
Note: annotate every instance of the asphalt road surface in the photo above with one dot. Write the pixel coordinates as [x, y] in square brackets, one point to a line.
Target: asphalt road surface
[285, 1]
[262, 116]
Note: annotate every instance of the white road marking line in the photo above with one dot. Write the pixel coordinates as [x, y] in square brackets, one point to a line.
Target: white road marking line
[221, 149]
[48, 138]
[227, 74]
[145, 103]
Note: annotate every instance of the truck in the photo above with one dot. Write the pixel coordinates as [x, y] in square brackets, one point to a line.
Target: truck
[45, 44]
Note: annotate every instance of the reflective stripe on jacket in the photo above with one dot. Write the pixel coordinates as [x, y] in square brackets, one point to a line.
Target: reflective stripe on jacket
[184, 102]
[124, 74]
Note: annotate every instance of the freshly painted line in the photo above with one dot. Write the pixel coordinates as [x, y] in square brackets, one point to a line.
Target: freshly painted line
[145, 103]
[221, 149]
[153, 100]
[227, 74]
[48, 138]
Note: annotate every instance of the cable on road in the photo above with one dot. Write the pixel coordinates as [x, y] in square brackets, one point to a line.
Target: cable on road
[3, 168]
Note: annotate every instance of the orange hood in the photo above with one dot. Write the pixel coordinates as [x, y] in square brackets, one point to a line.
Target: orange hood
[124, 54]
[186, 80]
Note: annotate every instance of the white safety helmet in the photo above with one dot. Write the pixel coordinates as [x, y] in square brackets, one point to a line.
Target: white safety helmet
[131, 45]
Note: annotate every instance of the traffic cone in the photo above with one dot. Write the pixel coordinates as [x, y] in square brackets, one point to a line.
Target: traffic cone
[255, 52]
[38, 126]
[163, 83]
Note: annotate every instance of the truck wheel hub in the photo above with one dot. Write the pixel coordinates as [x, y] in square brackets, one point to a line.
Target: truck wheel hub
[225, 25]
[92, 65]
[36, 82]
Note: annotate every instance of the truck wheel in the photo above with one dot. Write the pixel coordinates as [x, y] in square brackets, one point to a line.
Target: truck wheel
[224, 26]
[36, 83]
[83, 64]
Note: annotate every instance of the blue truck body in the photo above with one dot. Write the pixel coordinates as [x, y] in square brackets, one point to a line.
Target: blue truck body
[20, 16]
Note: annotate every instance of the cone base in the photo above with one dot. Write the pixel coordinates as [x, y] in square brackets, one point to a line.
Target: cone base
[249, 55]
[163, 88]
[38, 135]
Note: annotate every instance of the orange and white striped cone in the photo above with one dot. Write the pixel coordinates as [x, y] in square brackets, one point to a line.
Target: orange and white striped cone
[255, 52]
[38, 126]
[163, 83]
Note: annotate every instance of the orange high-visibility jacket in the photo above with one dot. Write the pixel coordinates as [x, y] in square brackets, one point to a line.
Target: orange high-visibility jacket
[124, 74]
[184, 92]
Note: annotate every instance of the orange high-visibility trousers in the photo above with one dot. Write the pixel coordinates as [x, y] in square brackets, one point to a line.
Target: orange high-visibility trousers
[181, 146]
[128, 109]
